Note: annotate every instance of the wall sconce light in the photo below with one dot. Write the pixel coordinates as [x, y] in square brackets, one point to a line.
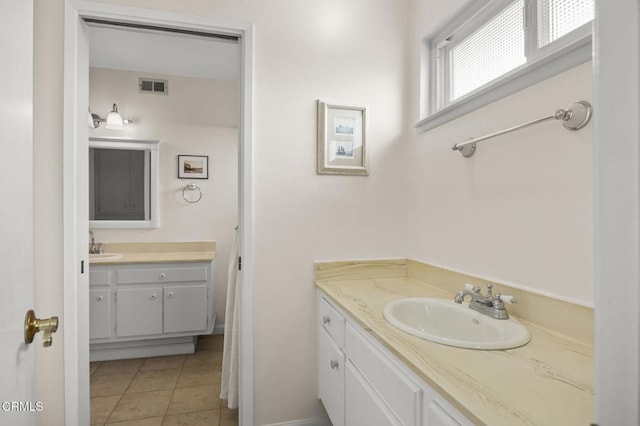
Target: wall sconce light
[114, 120]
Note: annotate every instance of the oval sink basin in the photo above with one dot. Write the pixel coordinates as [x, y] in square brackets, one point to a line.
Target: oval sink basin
[102, 257]
[444, 321]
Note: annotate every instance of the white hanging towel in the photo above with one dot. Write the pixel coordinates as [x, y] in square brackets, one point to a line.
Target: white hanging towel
[229, 385]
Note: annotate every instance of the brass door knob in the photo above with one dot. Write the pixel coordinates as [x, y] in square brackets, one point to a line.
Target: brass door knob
[33, 325]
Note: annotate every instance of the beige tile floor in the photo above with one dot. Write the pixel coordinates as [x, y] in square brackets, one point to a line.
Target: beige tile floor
[169, 390]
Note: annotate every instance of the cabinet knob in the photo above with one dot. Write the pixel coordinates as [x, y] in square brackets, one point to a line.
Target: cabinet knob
[153, 296]
[326, 320]
[99, 298]
[334, 364]
[170, 295]
[162, 276]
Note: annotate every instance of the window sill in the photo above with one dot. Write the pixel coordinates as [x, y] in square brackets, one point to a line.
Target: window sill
[562, 60]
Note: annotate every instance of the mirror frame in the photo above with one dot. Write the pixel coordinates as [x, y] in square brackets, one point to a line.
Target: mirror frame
[153, 146]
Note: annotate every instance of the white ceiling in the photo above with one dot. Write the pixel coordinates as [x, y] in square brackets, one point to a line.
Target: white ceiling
[163, 52]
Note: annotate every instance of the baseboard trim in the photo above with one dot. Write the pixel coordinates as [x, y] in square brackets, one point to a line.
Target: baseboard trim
[316, 421]
[218, 329]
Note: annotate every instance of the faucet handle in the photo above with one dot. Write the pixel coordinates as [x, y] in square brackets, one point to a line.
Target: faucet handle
[506, 299]
[470, 287]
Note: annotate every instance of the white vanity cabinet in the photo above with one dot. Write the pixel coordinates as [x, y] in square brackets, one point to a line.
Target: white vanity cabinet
[361, 383]
[149, 309]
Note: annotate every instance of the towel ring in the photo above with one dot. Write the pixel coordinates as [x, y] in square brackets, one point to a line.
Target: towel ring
[191, 188]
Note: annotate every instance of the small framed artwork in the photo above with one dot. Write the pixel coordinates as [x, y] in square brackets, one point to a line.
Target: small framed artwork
[193, 167]
[342, 139]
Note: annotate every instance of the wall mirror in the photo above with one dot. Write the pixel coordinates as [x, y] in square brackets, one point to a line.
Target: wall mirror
[123, 183]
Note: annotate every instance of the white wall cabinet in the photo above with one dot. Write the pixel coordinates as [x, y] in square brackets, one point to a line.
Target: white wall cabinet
[139, 310]
[361, 383]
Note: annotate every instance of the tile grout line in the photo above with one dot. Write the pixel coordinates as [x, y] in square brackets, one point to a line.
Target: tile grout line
[173, 391]
[123, 393]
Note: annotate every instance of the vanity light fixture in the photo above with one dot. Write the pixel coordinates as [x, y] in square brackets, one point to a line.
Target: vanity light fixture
[114, 120]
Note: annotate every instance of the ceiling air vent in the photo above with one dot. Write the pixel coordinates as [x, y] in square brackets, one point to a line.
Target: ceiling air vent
[148, 85]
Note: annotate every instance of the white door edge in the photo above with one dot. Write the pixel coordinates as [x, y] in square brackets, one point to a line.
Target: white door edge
[76, 333]
[617, 212]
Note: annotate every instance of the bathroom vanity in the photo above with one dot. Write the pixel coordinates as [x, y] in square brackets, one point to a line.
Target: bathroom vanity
[370, 372]
[362, 383]
[152, 299]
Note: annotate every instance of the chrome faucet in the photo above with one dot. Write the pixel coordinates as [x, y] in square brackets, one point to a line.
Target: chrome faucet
[93, 248]
[487, 305]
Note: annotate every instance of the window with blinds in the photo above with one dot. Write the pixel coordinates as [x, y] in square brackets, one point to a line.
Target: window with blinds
[491, 51]
[492, 41]
[557, 18]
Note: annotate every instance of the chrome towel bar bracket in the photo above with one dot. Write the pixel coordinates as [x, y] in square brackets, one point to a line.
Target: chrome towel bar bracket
[575, 117]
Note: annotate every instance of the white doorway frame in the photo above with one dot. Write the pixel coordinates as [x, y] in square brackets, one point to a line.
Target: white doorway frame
[76, 95]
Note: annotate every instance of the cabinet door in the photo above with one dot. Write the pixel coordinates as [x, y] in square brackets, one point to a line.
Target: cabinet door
[99, 314]
[185, 308]
[139, 311]
[397, 389]
[331, 377]
[363, 405]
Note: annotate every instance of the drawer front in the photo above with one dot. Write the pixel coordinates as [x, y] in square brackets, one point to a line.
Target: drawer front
[331, 320]
[159, 275]
[363, 406]
[401, 394]
[331, 367]
[99, 277]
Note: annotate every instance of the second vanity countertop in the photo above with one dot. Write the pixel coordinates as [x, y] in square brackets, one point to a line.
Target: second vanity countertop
[158, 252]
[549, 381]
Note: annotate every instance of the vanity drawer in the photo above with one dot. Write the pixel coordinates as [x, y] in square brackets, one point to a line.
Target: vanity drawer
[401, 394]
[99, 276]
[158, 275]
[331, 320]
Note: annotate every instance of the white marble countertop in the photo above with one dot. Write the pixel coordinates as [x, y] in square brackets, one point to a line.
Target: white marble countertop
[549, 381]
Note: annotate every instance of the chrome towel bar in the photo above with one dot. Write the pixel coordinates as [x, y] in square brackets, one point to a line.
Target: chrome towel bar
[575, 117]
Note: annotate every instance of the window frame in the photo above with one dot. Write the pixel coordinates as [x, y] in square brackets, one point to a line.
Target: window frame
[562, 54]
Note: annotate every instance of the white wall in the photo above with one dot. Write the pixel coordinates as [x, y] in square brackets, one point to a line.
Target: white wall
[521, 210]
[197, 117]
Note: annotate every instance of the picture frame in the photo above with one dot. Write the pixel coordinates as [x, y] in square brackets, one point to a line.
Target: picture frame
[193, 167]
[342, 139]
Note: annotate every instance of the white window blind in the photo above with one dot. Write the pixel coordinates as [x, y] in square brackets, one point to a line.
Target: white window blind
[491, 51]
[557, 18]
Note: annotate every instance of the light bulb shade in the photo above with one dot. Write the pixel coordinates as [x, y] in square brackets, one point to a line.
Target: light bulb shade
[114, 119]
